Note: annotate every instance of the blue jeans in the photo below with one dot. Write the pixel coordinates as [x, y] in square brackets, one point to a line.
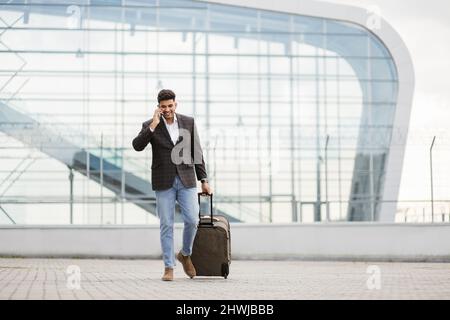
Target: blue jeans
[165, 204]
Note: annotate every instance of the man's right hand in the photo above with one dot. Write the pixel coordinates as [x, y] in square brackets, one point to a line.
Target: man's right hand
[156, 119]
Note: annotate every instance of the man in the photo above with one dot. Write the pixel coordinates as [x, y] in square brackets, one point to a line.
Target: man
[174, 180]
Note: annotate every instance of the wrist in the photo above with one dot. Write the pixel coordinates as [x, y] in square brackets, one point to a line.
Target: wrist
[204, 180]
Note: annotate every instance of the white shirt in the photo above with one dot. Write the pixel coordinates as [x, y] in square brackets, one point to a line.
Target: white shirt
[173, 129]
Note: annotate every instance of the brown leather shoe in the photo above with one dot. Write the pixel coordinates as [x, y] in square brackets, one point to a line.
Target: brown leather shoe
[168, 274]
[188, 267]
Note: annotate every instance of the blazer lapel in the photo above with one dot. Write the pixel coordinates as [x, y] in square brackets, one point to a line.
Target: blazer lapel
[165, 131]
[181, 125]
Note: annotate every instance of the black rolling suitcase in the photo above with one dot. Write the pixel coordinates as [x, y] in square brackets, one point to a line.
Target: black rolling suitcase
[211, 252]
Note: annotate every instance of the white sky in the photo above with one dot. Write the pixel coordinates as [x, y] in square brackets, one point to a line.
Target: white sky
[425, 29]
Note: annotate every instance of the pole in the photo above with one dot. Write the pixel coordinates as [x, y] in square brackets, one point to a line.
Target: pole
[431, 178]
[71, 194]
[101, 179]
[326, 178]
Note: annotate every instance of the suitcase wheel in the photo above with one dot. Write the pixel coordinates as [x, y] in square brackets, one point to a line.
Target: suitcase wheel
[225, 270]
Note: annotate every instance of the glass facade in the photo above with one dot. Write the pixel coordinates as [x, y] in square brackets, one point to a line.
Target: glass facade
[295, 113]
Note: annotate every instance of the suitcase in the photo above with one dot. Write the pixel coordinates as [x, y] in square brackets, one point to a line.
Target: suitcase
[211, 252]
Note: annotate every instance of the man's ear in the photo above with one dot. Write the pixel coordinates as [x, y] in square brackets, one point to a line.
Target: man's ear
[176, 104]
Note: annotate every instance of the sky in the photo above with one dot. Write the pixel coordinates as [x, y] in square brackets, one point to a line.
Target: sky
[425, 28]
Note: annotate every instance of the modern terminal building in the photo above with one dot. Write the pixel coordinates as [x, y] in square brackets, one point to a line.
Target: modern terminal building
[302, 107]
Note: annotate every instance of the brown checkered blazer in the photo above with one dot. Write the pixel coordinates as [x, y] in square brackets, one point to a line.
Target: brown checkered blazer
[163, 169]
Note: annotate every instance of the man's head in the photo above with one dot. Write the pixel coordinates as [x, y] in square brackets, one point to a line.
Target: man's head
[167, 103]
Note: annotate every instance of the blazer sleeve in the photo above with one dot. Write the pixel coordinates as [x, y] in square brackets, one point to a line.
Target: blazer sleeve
[199, 162]
[143, 138]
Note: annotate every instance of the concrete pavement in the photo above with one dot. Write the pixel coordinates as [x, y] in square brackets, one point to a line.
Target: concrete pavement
[140, 279]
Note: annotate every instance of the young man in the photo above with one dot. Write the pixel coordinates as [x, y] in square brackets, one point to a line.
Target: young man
[173, 180]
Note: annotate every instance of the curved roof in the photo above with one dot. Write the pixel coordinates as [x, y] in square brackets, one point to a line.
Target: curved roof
[397, 49]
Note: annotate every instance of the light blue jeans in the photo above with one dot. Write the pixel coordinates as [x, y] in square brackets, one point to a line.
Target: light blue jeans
[165, 204]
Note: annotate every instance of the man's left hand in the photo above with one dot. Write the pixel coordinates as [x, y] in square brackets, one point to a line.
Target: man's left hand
[206, 188]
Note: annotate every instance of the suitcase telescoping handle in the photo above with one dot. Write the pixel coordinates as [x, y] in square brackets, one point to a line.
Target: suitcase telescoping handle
[205, 194]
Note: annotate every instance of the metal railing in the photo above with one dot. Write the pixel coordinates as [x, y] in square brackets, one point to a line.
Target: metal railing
[407, 211]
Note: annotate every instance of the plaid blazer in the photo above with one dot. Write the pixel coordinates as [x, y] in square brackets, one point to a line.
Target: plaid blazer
[163, 168]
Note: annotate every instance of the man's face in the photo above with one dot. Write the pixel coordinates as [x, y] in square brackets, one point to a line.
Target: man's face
[167, 108]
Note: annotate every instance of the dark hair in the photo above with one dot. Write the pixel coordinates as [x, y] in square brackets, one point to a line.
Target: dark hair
[166, 94]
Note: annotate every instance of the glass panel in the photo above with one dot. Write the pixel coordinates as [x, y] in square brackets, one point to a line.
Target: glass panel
[265, 89]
